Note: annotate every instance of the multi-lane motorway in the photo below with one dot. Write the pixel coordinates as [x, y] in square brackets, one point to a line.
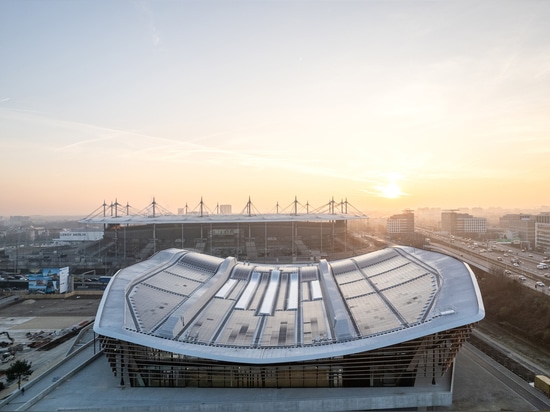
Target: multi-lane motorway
[491, 255]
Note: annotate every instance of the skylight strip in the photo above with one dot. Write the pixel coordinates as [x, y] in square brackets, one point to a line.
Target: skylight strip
[269, 297]
[248, 293]
[292, 303]
[228, 287]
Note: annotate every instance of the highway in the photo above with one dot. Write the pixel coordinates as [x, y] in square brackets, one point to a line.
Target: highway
[487, 258]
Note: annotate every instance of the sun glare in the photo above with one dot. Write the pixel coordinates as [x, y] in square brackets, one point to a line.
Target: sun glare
[391, 191]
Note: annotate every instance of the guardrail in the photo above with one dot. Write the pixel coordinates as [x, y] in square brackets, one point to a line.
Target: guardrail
[28, 386]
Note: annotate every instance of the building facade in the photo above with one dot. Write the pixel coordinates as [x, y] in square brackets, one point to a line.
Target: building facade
[401, 224]
[542, 237]
[387, 319]
[530, 231]
[461, 224]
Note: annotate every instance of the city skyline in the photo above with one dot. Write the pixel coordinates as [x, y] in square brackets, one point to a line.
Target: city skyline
[389, 105]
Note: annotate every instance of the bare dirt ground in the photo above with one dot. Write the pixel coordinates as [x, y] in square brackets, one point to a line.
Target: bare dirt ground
[47, 317]
[83, 306]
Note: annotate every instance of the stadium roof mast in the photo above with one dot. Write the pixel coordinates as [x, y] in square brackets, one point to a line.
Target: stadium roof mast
[248, 207]
[155, 210]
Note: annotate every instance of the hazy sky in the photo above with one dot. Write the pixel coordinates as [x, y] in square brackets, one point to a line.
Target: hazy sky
[388, 104]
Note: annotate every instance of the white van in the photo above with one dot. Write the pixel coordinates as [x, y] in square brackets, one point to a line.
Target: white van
[542, 266]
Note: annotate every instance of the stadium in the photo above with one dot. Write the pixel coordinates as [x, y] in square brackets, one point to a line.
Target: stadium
[293, 233]
[379, 330]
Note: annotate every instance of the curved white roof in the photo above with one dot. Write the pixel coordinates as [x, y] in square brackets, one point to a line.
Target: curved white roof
[198, 305]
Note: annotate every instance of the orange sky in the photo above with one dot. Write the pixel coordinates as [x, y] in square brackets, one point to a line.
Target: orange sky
[436, 104]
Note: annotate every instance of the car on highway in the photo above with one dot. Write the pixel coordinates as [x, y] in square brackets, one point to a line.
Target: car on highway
[540, 284]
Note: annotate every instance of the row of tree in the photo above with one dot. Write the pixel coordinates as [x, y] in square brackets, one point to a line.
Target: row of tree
[520, 310]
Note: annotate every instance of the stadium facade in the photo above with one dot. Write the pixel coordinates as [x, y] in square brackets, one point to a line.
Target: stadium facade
[296, 232]
[374, 331]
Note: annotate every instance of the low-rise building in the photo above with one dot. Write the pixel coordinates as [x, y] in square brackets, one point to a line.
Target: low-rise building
[393, 319]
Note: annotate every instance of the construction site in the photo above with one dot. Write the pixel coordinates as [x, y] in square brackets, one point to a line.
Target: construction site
[36, 330]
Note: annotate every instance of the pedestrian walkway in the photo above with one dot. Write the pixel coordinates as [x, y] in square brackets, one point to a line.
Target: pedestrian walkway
[33, 391]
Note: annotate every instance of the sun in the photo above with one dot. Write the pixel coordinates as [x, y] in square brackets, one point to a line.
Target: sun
[391, 191]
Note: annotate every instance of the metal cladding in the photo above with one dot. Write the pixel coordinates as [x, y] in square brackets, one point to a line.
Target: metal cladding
[198, 305]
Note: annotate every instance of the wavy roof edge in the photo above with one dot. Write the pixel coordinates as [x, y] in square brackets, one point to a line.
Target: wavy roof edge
[457, 303]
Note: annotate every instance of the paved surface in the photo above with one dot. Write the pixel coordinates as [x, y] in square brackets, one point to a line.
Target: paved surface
[480, 383]
[60, 374]
[95, 388]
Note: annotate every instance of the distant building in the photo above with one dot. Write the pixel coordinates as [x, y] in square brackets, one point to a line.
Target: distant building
[292, 235]
[401, 224]
[20, 221]
[461, 224]
[542, 237]
[70, 236]
[529, 231]
[504, 221]
[225, 209]
[522, 230]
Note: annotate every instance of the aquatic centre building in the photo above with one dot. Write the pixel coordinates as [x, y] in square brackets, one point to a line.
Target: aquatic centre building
[374, 331]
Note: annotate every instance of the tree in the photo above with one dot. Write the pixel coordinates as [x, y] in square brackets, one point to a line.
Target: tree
[18, 370]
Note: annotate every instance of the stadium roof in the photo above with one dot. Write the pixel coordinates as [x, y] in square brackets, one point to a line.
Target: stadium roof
[117, 214]
[199, 305]
[234, 218]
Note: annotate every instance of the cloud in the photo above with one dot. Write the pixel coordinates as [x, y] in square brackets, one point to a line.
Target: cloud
[152, 27]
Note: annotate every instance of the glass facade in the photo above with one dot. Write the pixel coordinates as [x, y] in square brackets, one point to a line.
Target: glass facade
[426, 358]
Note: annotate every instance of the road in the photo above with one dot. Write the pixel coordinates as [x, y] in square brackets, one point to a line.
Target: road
[489, 260]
